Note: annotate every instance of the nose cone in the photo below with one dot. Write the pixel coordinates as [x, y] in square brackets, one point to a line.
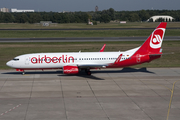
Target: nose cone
[9, 63]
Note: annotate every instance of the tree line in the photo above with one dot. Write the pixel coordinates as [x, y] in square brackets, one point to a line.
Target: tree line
[83, 17]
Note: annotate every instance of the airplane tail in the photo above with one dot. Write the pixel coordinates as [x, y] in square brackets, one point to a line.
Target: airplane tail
[152, 45]
[150, 49]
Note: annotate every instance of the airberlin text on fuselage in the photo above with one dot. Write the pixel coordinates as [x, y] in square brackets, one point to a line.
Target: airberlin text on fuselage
[46, 59]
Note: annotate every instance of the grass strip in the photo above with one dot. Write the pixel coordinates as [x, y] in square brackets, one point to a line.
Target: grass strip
[81, 33]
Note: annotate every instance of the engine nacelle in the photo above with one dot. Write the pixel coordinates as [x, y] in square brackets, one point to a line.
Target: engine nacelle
[70, 70]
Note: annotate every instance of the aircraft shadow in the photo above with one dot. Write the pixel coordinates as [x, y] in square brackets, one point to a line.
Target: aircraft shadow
[83, 74]
[125, 70]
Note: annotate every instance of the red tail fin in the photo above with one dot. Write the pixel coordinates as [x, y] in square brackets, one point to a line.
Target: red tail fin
[153, 44]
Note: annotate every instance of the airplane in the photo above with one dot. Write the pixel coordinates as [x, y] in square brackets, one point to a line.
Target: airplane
[74, 62]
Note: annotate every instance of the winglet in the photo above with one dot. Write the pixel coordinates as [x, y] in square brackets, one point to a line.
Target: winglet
[103, 47]
[118, 59]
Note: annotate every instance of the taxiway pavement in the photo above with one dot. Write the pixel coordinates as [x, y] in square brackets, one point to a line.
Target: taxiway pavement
[117, 94]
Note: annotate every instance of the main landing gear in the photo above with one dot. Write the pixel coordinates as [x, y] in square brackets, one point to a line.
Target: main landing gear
[23, 73]
[88, 72]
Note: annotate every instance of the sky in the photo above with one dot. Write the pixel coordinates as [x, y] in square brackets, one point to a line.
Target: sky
[89, 5]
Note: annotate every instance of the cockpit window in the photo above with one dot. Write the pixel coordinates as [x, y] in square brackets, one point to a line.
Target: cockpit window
[16, 59]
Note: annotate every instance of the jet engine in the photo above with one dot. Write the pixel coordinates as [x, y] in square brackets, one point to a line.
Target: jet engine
[70, 70]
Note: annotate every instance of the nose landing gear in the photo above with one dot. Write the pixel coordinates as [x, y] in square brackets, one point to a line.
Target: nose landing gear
[21, 70]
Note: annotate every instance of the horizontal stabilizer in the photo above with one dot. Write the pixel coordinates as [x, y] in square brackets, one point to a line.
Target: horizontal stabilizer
[168, 53]
[151, 55]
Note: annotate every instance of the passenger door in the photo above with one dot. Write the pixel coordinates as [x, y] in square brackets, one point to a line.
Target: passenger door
[26, 60]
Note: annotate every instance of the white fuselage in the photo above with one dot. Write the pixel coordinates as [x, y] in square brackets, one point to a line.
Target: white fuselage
[58, 60]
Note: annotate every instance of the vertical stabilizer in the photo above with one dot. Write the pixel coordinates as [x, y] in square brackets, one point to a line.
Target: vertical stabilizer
[153, 44]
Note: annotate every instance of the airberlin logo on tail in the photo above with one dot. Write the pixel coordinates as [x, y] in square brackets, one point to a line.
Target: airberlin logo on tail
[157, 38]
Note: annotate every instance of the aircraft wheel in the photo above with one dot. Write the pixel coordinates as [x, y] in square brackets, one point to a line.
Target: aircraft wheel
[89, 73]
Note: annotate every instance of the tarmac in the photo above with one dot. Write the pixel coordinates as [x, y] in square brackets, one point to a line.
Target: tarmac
[108, 94]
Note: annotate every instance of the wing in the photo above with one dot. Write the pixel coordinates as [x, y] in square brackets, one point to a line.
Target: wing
[92, 65]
